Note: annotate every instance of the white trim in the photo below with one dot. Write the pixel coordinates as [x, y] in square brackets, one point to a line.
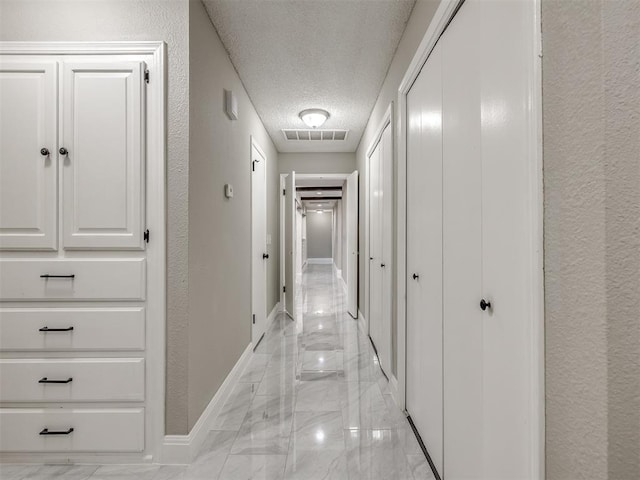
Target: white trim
[441, 19]
[282, 242]
[393, 388]
[277, 308]
[154, 55]
[320, 261]
[182, 449]
[363, 324]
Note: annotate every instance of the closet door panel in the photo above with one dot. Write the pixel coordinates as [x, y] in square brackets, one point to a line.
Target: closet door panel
[386, 232]
[424, 256]
[28, 179]
[462, 247]
[506, 240]
[103, 172]
[375, 254]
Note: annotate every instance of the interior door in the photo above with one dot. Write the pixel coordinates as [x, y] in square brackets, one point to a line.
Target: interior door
[102, 155]
[290, 244]
[463, 56]
[375, 244]
[424, 371]
[386, 248]
[258, 244]
[28, 155]
[352, 244]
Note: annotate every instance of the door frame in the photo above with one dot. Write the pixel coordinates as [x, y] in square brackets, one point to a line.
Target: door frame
[387, 120]
[253, 143]
[444, 14]
[154, 53]
[283, 176]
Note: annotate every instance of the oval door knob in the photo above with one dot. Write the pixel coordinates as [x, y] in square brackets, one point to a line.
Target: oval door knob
[416, 276]
[484, 304]
[44, 152]
[63, 151]
[265, 255]
[382, 265]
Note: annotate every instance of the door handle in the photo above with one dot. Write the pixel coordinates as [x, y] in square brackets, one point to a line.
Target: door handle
[47, 329]
[44, 152]
[484, 305]
[63, 151]
[46, 275]
[382, 265]
[415, 276]
[265, 255]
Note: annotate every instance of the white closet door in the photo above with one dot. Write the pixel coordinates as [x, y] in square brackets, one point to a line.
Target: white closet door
[386, 253]
[506, 237]
[103, 131]
[290, 244]
[424, 256]
[258, 244]
[375, 243]
[28, 174]
[352, 244]
[462, 66]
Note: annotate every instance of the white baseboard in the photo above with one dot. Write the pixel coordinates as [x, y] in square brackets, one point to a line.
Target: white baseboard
[181, 449]
[319, 261]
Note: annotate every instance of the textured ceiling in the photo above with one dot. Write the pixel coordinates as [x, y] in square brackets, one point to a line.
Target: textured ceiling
[298, 54]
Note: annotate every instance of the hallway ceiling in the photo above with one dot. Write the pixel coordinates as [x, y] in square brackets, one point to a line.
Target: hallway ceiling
[297, 54]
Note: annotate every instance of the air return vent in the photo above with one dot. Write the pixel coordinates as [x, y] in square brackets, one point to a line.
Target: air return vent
[315, 135]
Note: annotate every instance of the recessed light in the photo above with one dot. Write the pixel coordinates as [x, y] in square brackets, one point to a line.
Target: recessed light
[314, 117]
[318, 193]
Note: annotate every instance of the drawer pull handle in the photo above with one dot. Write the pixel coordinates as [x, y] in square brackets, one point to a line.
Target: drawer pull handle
[46, 431]
[46, 380]
[46, 275]
[47, 329]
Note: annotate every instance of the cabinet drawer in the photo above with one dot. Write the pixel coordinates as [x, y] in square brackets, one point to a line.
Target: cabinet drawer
[72, 329]
[85, 380]
[100, 279]
[94, 430]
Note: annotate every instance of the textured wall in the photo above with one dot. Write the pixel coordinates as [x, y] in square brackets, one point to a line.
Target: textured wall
[591, 102]
[109, 20]
[316, 162]
[416, 28]
[220, 229]
[319, 233]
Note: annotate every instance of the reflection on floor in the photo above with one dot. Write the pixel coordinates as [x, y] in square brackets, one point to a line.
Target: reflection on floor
[312, 404]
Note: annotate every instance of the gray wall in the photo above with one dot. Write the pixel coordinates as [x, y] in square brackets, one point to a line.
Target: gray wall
[416, 28]
[319, 233]
[220, 229]
[591, 85]
[317, 162]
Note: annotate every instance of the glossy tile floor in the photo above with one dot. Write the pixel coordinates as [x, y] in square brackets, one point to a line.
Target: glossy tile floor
[312, 404]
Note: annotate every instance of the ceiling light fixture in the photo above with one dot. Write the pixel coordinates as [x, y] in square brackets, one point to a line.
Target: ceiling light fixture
[314, 117]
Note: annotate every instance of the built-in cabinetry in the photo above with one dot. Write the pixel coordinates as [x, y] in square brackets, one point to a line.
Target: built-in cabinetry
[471, 245]
[380, 235]
[74, 323]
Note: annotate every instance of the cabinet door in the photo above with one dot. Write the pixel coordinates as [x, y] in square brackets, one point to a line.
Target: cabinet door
[103, 131]
[27, 177]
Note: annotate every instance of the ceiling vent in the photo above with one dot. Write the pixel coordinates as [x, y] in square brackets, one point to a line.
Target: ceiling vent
[315, 134]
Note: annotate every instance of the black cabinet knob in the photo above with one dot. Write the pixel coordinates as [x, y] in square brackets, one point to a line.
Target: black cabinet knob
[416, 276]
[484, 304]
[44, 152]
[265, 255]
[63, 151]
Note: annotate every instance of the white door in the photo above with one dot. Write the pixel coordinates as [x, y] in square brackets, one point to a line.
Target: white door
[28, 154]
[386, 249]
[352, 244]
[290, 244]
[259, 253]
[462, 245]
[375, 248]
[102, 155]
[424, 257]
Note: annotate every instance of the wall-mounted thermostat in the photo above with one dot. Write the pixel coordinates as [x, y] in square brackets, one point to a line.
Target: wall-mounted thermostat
[230, 105]
[228, 190]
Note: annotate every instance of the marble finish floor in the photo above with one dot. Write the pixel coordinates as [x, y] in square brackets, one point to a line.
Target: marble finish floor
[312, 404]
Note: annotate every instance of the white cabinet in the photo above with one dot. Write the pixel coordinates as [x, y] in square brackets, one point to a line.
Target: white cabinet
[103, 168]
[74, 340]
[101, 153]
[28, 159]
